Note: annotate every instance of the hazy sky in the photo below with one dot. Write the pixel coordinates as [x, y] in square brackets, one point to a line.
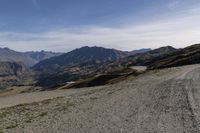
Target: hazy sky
[62, 25]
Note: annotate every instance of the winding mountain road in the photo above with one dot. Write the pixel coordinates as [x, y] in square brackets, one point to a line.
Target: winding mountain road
[160, 101]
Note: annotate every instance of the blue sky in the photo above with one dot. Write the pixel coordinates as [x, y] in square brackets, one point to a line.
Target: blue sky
[62, 25]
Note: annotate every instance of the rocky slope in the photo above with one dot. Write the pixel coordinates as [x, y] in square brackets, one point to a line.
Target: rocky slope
[13, 73]
[185, 56]
[143, 59]
[12, 69]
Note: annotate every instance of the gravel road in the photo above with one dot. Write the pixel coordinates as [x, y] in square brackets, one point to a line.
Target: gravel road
[159, 101]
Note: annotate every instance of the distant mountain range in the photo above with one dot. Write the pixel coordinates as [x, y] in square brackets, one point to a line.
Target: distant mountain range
[64, 68]
[90, 61]
[41, 55]
[84, 55]
[58, 66]
[31, 58]
[28, 58]
[56, 69]
[140, 51]
[144, 59]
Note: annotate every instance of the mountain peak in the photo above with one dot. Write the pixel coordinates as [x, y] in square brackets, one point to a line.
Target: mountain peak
[165, 49]
[81, 55]
[92, 47]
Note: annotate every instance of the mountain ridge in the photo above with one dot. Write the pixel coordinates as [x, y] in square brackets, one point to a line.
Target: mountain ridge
[9, 55]
[80, 55]
[185, 56]
[63, 69]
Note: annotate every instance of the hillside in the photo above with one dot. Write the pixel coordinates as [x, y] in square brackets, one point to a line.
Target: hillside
[89, 61]
[140, 59]
[74, 65]
[185, 56]
[78, 56]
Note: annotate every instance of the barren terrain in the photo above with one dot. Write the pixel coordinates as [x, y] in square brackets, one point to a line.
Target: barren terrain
[158, 101]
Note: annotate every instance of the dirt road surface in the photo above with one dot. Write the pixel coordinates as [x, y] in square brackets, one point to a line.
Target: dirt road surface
[159, 101]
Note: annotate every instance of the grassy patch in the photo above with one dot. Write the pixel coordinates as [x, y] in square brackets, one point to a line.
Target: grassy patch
[28, 121]
[4, 114]
[43, 114]
[115, 90]
[111, 92]
[1, 131]
[64, 106]
[12, 126]
[93, 98]
[22, 109]
[90, 92]
[31, 118]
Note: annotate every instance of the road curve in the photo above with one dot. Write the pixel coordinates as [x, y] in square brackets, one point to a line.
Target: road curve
[160, 101]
